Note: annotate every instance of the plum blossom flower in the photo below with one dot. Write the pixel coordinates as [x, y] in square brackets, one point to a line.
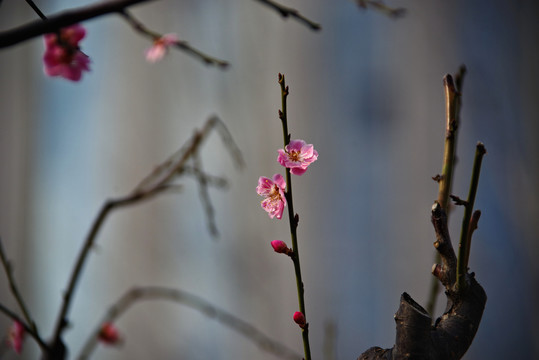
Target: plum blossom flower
[109, 334]
[16, 336]
[64, 58]
[160, 47]
[299, 319]
[273, 191]
[297, 156]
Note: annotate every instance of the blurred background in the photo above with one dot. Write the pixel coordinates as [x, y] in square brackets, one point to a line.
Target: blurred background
[366, 91]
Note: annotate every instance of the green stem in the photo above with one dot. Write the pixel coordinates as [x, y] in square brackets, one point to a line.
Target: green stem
[293, 219]
[480, 151]
[452, 106]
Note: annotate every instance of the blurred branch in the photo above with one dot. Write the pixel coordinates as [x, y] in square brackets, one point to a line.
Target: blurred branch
[27, 328]
[138, 294]
[380, 6]
[36, 9]
[31, 325]
[182, 45]
[63, 19]
[13, 287]
[155, 183]
[289, 12]
[204, 195]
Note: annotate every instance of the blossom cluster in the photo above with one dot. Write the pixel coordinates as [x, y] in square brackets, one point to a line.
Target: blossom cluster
[296, 156]
[63, 56]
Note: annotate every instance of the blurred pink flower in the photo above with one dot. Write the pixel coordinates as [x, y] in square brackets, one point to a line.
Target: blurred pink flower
[273, 191]
[297, 156]
[160, 47]
[299, 319]
[64, 58]
[109, 334]
[16, 336]
[280, 247]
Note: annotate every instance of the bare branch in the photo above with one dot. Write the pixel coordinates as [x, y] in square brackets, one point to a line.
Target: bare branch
[18, 297]
[289, 12]
[182, 45]
[138, 294]
[63, 19]
[155, 183]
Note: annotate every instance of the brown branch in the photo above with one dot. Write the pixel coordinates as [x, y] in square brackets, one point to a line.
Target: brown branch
[182, 45]
[63, 19]
[447, 272]
[156, 182]
[138, 294]
[472, 227]
[293, 13]
[380, 6]
[29, 329]
[453, 332]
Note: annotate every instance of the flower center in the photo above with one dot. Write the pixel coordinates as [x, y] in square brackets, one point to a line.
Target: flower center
[295, 155]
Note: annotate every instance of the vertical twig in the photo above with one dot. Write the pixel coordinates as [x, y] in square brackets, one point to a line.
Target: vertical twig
[465, 235]
[445, 179]
[293, 219]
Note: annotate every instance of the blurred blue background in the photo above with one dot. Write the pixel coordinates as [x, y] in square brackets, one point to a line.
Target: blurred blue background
[366, 91]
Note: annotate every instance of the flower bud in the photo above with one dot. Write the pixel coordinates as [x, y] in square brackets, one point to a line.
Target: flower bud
[280, 247]
[109, 334]
[299, 319]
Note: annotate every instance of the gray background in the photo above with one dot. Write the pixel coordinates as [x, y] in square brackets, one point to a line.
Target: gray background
[366, 91]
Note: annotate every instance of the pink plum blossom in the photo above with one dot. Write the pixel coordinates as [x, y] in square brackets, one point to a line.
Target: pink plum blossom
[16, 336]
[273, 191]
[280, 247]
[64, 58]
[109, 334]
[299, 319]
[297, 156]
[160, 47]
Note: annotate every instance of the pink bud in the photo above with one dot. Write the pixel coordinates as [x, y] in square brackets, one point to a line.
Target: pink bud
[109, 334]
[280, 247]
[16, 336]
[299, 319]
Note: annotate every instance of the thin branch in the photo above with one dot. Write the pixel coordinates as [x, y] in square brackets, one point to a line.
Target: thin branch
[289, 12]
[293, 220]
[155, 183]
[36, 9]
[13, 287]
[204, 195]
[63, 19]
[380, 6]
[453, 91]
[138, 294]
[18, 297]
[465, 235]
[30, 330]
[473, 226]
[182, 45]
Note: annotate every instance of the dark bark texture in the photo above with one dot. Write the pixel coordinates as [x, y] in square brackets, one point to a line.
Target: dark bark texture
[452, 333]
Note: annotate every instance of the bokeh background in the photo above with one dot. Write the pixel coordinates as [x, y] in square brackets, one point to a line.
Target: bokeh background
[366, 91]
